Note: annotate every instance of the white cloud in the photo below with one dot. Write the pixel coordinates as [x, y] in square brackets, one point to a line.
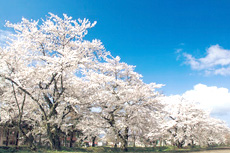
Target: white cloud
[215, 99]
[217, 61]
[210, 98]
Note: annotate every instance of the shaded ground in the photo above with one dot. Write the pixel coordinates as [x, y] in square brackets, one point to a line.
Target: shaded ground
[165, 149]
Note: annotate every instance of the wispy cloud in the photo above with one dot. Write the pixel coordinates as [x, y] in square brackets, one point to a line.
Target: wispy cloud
[217, 61]
[178, 53]
[179, 50]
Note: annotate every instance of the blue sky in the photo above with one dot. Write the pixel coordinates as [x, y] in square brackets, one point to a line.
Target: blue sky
[151, 34]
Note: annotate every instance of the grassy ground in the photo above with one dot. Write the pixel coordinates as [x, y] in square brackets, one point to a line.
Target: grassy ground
[166, 149]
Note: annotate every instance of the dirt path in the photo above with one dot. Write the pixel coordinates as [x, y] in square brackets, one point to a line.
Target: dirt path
[215, 151]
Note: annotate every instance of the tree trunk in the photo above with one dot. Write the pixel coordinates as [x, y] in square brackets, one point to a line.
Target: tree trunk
[7, 136]
[93, 141]
[180, 144]
[54, 138]
[154, 144]
[115, 143]
[125, 140]
[65, 139]
[28, 139]
[40, 140]
[161, 142]
[31, 139]
[57, 143]
[71, 139]
[134, 141]
[17, 138]
[124, 145]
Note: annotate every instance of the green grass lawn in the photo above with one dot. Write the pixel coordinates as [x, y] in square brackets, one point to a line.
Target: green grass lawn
[165, 149]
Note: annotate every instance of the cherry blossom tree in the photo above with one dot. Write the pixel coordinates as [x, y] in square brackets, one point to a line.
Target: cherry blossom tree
[44, 61]
[123, 100]
[189, 124]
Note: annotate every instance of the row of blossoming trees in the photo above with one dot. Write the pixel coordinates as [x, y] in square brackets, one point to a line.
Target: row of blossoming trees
[54, 84]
